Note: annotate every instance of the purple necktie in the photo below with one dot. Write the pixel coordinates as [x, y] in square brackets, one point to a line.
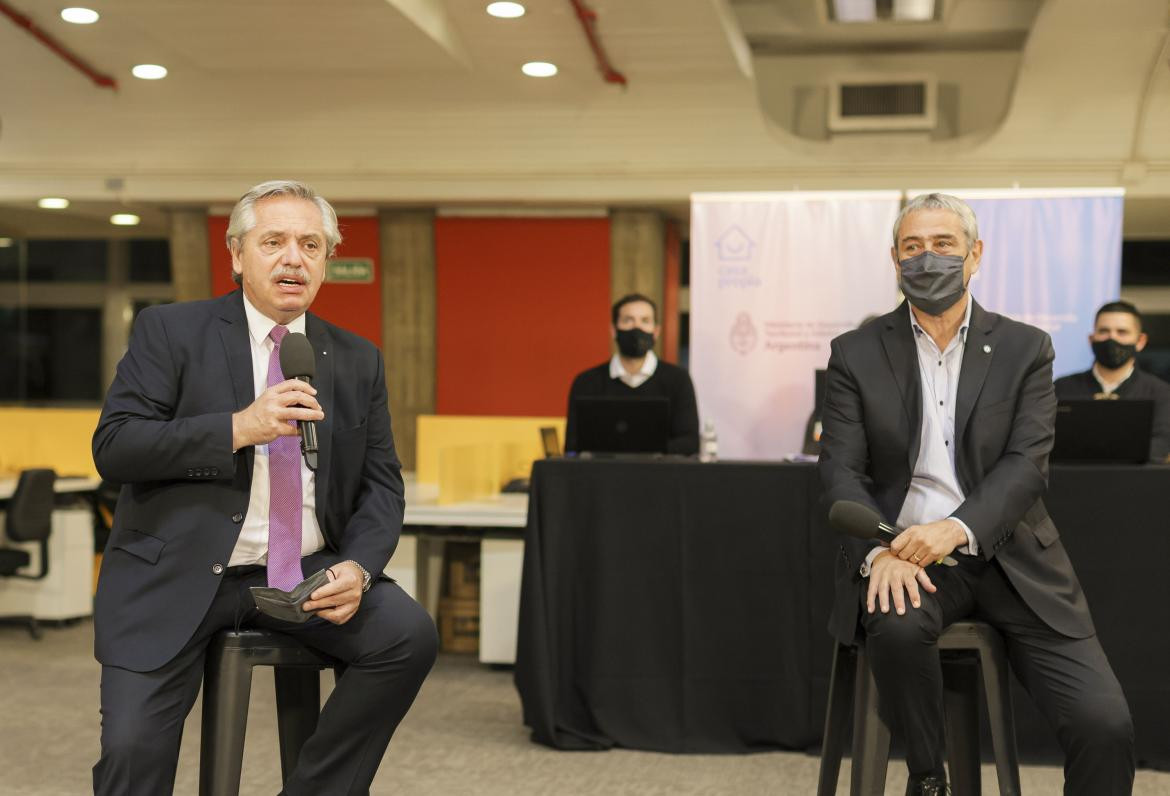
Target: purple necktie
[284, 492]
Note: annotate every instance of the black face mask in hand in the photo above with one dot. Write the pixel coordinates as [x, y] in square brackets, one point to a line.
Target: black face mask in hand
[634, 343]
[1111, 354]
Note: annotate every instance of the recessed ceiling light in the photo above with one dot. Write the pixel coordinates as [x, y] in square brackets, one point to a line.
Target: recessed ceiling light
[53, 203]
[124, 220]
[80, 16]
[505, 10]
[149, 72]
[539, 69]
[7, 243]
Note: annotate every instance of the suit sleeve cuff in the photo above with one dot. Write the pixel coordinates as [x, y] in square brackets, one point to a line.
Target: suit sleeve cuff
[972, 546]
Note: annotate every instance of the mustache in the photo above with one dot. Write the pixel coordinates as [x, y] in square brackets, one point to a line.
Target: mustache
[289, 272]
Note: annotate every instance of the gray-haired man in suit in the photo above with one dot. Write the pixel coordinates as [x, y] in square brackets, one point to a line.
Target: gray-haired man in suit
[197, 425]
[940, 416]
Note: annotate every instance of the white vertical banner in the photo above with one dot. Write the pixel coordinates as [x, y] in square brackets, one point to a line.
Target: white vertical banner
[774, 277]
[1051, 257]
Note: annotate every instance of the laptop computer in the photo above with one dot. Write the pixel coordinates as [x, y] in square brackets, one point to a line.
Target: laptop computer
[1103, 431]
[622, 425]
[550, 441]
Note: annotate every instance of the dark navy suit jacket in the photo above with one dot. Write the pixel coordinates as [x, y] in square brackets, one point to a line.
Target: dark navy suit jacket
[1004, 420]
[166, 433]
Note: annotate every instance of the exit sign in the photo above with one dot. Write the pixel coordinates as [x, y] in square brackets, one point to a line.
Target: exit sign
[352, 270]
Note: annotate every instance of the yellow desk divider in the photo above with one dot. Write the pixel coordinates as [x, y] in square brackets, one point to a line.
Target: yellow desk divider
[472, 457]
[56, 438]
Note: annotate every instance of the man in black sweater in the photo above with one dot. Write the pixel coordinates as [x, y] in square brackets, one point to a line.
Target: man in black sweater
[1117, 337]
[635, 372]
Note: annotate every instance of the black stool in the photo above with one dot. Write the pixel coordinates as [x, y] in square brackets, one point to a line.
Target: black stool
[968, 648]
[227, 685]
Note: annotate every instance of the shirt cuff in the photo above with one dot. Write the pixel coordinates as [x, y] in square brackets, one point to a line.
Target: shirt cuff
[972, 546]
[867, 564]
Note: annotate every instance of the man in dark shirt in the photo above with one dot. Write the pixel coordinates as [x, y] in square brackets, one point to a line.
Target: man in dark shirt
[634, 371]
[1117, 337]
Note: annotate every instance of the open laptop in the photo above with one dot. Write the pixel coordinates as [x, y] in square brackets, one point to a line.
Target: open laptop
[550, 441]
[1103, 431]
[622, 425]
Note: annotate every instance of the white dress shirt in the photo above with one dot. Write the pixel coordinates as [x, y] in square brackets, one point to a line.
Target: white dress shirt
[635, 380]
[934, 485]
[1110, 387]
[252, 546]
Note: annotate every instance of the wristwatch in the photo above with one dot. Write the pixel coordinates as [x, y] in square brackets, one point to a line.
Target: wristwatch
[366, 580]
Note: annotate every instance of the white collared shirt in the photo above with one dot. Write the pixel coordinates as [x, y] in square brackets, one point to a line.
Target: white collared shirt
[618, 371]
[934, 485]
[1110, 387]
[252, 546]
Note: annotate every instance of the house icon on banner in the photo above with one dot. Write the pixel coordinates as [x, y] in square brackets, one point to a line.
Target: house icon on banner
[734, 244]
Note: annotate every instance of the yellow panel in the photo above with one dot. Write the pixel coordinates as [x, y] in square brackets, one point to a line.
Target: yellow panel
[517, 438]
[468, 472]
[56, 438]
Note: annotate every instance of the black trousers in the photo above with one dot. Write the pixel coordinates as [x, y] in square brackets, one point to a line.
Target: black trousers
[1070, 679]
[389, 646]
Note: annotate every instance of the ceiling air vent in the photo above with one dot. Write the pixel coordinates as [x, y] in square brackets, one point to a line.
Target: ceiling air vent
[904, 103]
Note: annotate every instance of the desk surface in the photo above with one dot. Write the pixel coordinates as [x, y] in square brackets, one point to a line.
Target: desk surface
[501, 511]
[63, 485]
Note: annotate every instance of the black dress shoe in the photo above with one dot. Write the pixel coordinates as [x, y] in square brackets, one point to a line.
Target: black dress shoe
[927, 786]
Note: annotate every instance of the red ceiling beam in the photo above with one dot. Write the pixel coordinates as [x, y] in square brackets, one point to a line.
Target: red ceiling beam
[588, 19]
[21, 21]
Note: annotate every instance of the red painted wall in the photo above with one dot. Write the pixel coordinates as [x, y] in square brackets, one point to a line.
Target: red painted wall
[354, 307]
[523, 307]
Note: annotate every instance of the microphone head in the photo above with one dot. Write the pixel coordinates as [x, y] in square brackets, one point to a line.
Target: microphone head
[297, 360]
[854, 519]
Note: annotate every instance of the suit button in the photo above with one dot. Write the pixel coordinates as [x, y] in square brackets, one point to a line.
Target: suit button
[237, 517]
[217, 569]
[215, 471]
[190, 473]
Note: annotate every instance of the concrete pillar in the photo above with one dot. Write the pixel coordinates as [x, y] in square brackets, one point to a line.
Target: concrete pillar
[637, 256]
[190, 254]
[408, 320]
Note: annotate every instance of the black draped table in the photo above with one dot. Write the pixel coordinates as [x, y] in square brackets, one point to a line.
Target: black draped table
[675, 606]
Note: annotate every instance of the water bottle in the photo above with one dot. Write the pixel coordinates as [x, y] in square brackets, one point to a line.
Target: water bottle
[708, 443]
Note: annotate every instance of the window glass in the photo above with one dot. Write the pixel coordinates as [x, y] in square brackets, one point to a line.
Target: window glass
[56, 354]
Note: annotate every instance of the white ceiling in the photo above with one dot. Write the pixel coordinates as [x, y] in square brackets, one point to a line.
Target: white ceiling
[355, 97]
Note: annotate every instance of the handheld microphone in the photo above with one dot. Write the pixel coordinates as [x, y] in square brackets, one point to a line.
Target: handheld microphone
[857, 519]
[297, 361]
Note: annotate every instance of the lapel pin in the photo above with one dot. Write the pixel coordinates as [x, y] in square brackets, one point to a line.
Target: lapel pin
[986, 349]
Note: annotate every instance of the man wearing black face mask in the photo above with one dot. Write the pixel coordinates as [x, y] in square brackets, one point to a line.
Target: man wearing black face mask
[634, 371]
[940, 417]
[1117, 337]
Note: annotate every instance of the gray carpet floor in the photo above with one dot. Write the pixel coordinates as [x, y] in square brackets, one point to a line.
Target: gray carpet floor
[463, 736]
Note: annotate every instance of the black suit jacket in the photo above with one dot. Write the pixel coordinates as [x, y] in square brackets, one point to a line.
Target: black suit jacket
[166, 433]
[1004, 420]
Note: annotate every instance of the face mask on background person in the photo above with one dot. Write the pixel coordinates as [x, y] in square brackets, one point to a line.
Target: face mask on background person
[932, 282]
[634, 343]
[1111, 354]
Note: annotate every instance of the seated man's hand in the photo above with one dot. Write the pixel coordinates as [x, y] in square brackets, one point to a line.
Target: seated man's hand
[893, 580]
[338, 600]
[927, 544]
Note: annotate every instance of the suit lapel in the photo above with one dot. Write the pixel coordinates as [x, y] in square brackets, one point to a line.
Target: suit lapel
[902, 355]
[322, 343]
[234, 334]
[977, 356]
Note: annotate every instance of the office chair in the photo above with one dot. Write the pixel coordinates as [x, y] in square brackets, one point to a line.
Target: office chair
[29, 519]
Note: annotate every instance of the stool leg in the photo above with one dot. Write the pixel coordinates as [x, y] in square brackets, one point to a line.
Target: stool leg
[871, 736]
[997, 687]
[227, 686]
[836, 719]
[298, 706]
[961, 697]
